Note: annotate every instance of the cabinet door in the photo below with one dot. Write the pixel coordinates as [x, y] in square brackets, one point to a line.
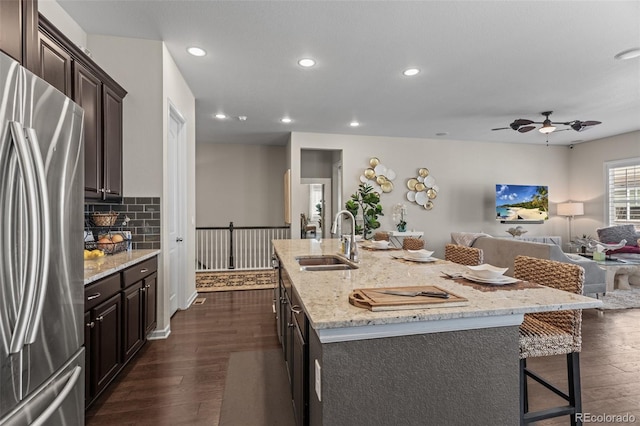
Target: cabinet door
[133, 316]
[88, 354]
[112, 140]
[87, 93]
[298, 378]
[107, 343]
[19, 31]
[150, 300]
[55, 64]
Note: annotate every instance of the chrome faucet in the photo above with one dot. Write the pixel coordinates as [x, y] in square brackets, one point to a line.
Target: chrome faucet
[353, 247]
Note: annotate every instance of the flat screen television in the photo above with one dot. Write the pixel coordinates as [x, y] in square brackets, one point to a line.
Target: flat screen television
[524, 203]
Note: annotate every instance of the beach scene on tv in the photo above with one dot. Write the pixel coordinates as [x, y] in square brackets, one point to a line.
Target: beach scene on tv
[522, 202]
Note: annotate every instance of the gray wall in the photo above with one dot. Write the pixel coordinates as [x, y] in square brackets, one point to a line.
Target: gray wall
[240, 183]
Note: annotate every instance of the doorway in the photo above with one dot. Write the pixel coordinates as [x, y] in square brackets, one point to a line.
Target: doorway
[176, 140]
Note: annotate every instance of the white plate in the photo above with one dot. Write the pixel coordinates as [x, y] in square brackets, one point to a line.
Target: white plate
[495, 281]
[420, 260]
[374, 247]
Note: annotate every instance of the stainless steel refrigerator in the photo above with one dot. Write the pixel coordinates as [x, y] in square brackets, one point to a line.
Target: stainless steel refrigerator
[41, 261]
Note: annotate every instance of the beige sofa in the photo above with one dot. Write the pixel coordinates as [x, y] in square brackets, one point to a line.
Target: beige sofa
[502, 251]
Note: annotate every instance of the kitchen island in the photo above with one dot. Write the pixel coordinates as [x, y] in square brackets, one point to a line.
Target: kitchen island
[445, 365]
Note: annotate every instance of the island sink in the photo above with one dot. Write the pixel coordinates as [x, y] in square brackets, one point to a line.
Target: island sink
[325, 263]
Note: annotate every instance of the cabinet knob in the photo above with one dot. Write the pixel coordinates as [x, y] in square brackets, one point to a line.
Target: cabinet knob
[100, 318]
[147, 286]
[291, 325]
[91, 324]
[179, 239]
[93, 296]
[143, 289]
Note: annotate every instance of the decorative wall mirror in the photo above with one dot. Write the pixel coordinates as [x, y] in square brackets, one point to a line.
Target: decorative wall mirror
[423, 189]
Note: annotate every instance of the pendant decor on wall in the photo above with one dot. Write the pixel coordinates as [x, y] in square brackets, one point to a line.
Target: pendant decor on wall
[422, 189]
[378, 176]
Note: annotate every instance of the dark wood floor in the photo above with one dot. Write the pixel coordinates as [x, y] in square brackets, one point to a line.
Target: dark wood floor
[180, 380]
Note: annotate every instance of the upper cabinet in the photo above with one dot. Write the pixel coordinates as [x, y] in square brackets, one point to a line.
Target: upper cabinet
[71, 71]
[19, 31]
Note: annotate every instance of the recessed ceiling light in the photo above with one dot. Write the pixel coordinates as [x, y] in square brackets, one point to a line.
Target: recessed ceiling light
[354, 124]
[221, 116]
[442, 133]
[306, 62]
[242, 117]
[628, 54]
[196, 51]
[285, 120]
[410, 72]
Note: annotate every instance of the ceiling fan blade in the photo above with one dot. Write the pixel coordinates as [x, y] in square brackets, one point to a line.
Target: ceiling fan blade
[522, 122]
[591, 123]
[526, 129]
[502, 128]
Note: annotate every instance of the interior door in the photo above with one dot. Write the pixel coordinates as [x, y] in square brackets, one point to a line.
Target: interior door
[177, 206]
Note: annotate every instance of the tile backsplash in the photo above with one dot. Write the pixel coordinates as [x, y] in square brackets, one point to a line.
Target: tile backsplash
[139, 215]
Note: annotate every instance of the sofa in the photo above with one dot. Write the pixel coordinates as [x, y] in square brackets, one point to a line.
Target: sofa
[502, 252]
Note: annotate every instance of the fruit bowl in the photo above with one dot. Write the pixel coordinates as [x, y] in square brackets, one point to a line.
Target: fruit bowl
[108, 243]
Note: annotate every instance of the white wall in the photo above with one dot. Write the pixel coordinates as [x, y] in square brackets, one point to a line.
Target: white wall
[587, 178]
[466, 173]
[242, 184]
[136, 64]
[177, 92]
[61, 20]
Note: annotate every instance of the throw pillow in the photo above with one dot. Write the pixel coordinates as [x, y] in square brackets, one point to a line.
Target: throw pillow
[615, 234]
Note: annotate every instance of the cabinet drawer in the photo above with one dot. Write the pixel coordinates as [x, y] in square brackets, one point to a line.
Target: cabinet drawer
[137, 272]
[98, 292]
[298, 315]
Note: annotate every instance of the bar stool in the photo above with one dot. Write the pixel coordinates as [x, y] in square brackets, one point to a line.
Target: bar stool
[463, 255]
[410, 243]
[551, 333]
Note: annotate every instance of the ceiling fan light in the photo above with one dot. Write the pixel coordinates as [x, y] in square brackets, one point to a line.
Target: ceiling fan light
[546, 129]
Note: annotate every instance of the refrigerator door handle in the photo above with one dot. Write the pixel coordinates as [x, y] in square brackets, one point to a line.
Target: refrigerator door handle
[44, 234]
[44, 416]
[33, 248]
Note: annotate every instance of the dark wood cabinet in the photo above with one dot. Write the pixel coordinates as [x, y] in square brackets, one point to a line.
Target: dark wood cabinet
[64, 65]
[112, 144]
[150, 301]
[133, 317]
[120, 311]
[293, 329]
[55, 64]
[88, 94]
[107, 351]
[88, 350]
[19, 31]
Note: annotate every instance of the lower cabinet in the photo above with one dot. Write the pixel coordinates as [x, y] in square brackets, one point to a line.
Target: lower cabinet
[120, 311]
[294, 338]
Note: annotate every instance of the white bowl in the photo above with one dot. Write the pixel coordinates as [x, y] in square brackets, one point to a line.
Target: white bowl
[381, 244]
[420, 254]
[487, 271]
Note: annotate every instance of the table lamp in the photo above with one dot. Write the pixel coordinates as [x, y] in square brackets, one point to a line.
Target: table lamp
[570, 210]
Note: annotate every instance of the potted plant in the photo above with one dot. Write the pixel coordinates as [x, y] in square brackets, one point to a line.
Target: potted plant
[366, 201]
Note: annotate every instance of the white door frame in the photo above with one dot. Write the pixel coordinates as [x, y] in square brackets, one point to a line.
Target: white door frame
[181, 200]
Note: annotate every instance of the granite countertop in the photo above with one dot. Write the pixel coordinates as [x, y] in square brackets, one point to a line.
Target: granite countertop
[325, 294]
[94, 269]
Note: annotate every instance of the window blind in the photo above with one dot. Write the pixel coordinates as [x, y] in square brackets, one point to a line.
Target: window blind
[623, 188]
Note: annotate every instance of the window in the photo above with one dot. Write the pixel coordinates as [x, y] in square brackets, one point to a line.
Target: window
[623, 192]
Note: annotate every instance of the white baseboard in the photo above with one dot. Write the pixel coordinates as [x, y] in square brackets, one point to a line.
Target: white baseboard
[190, 300]
[160, 334]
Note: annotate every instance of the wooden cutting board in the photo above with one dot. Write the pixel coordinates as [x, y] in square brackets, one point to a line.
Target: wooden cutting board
[374, 300]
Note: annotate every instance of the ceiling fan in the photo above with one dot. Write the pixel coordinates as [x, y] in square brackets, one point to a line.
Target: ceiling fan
[523, 125]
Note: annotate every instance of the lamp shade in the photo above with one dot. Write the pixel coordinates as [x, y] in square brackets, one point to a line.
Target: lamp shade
[570, 209]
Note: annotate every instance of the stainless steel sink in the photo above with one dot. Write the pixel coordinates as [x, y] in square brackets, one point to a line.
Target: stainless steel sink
[328, 262]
